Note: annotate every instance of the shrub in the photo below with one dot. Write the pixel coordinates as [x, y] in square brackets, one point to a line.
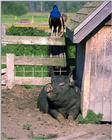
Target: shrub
[91, 117]
[25, 31]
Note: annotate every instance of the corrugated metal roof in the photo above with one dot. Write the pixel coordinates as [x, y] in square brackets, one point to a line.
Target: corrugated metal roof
[83, 13]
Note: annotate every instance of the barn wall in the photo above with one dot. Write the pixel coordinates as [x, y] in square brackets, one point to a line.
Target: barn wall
[97, 79]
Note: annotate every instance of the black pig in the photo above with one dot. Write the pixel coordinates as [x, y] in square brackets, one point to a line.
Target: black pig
[65, 98]
[61, 99]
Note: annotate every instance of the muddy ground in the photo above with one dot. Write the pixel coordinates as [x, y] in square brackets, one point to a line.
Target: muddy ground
[22, 120]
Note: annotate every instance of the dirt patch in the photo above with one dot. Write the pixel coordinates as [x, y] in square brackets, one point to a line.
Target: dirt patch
[21, 119]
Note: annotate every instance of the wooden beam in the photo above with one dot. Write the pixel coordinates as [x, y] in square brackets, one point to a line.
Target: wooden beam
[46, 61]
[33, 40]
[32, 80]
[10, 70]
[19, 60]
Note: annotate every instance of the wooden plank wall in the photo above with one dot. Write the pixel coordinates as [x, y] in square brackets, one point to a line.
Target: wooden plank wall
[86, 80]
[97, 87]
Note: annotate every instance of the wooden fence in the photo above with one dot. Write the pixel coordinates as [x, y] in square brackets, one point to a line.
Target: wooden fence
[33, 40]
[11, 60]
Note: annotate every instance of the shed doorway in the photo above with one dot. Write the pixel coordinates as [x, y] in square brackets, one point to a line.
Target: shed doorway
[80, 60]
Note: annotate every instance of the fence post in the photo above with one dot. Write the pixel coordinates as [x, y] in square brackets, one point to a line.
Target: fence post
[10, 70]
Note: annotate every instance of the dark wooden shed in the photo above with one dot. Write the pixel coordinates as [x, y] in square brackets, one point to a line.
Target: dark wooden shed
[90, 29]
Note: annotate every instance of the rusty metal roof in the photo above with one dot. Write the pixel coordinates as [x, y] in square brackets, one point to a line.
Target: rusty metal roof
[87, 19]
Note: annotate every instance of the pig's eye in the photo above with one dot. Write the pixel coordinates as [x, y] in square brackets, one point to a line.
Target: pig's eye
[61, 84]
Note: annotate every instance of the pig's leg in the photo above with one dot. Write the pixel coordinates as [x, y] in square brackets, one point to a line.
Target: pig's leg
[56, 115]
[73, 113]
[42, 102]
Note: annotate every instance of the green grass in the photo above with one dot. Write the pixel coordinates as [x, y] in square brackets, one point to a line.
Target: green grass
[37, 17]
[31, 71]
[32, 86]
[40, 138]
[3, 66]
[25, 31]
[91, 117]
[10, 19]
[50, 136]
[28, 50]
